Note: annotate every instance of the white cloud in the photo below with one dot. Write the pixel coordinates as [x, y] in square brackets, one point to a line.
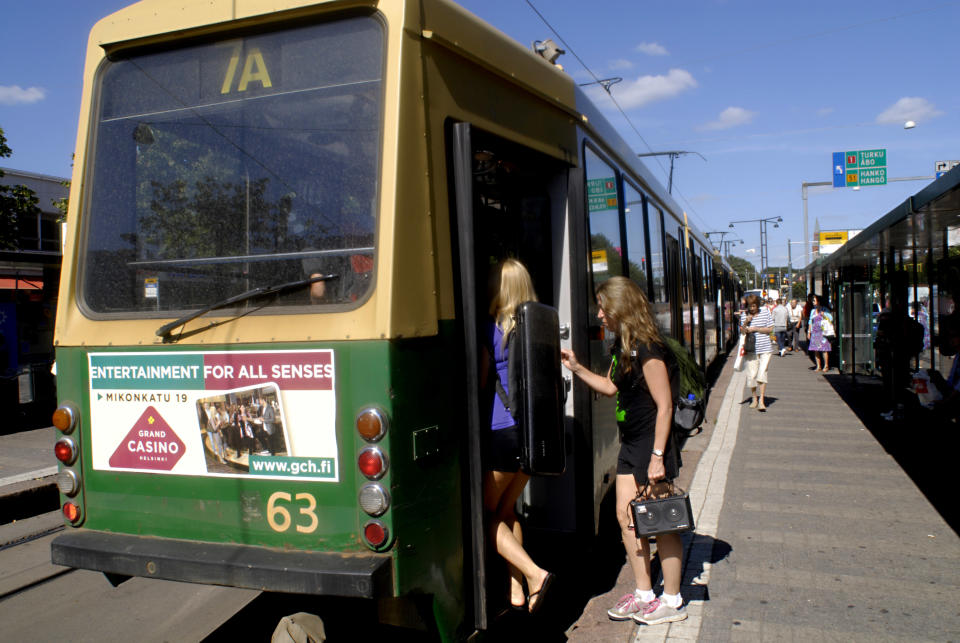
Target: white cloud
[620, 63]
[730, 117]
[652, 49]
[648, 89]
[823, 111]
[15, 95]
[908, 109]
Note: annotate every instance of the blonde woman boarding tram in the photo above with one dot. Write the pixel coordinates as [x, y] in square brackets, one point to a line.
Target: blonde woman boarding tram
[640, 378]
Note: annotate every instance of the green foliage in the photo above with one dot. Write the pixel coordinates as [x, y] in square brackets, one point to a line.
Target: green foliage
[692, 379]
[15, 201]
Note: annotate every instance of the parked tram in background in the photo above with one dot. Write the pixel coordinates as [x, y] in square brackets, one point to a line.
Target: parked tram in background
[281, 222]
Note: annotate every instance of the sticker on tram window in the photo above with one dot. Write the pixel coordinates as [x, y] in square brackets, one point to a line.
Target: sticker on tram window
[264, 414]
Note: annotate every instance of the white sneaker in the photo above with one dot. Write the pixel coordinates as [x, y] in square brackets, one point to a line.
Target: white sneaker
[782, 351]
[659, 612]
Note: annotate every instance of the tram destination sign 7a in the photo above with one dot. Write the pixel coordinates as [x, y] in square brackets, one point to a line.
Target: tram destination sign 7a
[859, 167]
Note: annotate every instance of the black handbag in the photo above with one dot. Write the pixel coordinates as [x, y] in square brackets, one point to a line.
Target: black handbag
[750, 343]
[655, 516]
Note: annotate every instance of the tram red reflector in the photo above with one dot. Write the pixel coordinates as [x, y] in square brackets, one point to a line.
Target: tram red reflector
[71, 511]
[375, 533]
[370, 463]
[63, 449]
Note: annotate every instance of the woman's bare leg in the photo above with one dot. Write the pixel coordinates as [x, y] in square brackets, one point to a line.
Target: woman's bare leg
[501, 491]
[638, 549]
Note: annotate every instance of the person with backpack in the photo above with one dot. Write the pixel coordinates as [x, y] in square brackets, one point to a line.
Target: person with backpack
[503, 482]
[645, 379]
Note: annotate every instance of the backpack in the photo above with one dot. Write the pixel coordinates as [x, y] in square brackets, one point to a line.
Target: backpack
[687, 384]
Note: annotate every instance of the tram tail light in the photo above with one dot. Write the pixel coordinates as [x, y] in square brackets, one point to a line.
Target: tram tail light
[68, 482]
[371, 424]
[374, 499]
[71, 512]
[66, 450]
[65, 418]
[372, 463]
[375, 533]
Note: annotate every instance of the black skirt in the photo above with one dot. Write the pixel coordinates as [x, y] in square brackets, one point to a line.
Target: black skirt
[503, 450]
[635, 453]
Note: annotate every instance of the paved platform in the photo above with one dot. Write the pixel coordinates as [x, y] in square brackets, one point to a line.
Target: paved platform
[27, 455]
[808, 528]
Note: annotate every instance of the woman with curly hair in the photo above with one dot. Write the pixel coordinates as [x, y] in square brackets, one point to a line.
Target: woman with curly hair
[643, 376]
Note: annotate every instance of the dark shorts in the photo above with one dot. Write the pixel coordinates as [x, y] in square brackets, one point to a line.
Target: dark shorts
[635, 454]
[503, 450]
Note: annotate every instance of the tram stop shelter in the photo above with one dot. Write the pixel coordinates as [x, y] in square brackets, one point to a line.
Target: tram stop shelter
[912, 252]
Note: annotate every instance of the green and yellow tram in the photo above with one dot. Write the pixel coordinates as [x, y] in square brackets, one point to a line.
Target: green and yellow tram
[281, 219]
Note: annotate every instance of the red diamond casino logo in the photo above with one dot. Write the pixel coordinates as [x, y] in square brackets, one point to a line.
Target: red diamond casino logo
[151, 444]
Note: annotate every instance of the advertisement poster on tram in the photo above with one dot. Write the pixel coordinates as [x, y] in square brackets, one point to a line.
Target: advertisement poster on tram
[265, 414]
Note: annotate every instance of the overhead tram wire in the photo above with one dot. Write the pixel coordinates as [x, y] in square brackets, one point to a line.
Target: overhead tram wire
[597, 79]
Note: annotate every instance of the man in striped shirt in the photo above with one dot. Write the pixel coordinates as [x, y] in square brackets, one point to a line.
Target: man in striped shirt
[757, 322]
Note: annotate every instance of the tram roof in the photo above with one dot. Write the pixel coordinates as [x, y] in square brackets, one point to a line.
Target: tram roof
[928, 212]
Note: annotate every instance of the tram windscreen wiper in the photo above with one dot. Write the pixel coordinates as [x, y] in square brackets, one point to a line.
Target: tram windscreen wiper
[263, 291]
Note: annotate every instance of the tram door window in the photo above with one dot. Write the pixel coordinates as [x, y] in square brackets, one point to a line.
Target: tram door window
[684, 290]
[636, 238]
[658, 281]
[696, 302]
[672, 259]
[606, 246]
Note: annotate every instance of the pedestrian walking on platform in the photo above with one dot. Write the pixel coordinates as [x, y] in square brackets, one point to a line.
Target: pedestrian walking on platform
[757, 323]
[781, 318]
[821, 330]
[644, 376]
[796, 324]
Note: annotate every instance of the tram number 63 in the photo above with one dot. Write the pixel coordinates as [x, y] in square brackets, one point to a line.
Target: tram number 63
[279, 518]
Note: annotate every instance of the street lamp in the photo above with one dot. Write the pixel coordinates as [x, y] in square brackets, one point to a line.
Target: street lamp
[673, 155]
[763, 235]
[731, 242]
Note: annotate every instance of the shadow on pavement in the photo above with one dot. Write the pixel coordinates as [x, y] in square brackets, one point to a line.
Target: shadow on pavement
[924, 450]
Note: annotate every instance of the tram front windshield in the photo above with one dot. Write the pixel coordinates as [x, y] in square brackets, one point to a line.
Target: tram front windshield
[230, 165]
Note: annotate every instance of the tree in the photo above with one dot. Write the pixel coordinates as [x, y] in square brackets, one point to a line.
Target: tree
[15, 201]
[744, 269]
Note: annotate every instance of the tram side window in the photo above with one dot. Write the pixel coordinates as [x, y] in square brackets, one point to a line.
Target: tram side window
[657, 276]
[604, 208]
[221, 167]
[636, 237]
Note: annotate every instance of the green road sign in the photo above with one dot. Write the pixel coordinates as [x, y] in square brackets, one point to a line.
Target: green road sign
[864, 167]
[602, 194]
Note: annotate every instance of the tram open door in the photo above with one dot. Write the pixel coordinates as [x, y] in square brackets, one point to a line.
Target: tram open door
[855, 327]
[508, 201]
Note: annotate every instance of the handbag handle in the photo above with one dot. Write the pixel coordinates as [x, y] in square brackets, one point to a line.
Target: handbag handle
[675, 490]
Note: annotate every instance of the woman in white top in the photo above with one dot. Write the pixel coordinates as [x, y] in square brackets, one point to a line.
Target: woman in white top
[758, 323]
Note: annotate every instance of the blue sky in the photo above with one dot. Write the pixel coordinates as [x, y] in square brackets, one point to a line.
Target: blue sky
[765, 91]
